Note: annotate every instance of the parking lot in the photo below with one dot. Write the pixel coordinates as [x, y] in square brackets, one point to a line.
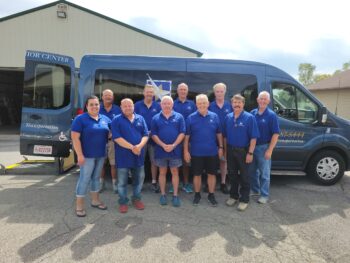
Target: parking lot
[303, 222]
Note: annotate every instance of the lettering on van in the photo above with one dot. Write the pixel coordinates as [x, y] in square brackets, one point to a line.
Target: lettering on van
[47, 57]
[41, 126]
[291, 136]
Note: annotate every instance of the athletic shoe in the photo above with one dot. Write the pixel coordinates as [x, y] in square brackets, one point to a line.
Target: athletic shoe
[155, 188]
[188, 188]
[263, 200]
[176, 201]
[123, 208]
[196, 199]
[163, 200]
[231, 201]
[138, 204]
[242, 206]
[211, 200]
[171, 189]
[224, 189]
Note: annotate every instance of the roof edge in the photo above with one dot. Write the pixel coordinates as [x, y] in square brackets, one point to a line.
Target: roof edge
[197, 53]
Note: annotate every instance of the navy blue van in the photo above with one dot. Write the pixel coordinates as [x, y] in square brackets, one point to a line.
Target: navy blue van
[313, 141]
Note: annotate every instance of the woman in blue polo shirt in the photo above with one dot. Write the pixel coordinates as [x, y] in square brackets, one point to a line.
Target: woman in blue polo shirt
[90, 135]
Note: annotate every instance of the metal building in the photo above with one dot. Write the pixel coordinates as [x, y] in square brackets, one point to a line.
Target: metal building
[66, 28]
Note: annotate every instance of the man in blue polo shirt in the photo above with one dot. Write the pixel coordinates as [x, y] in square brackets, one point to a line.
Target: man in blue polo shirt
[203, 132]
[129, 131]
[147, 108]
[221, 107]
[185, 107]
[110, 110]
[260, 168]
[168, 131]
[240, 133]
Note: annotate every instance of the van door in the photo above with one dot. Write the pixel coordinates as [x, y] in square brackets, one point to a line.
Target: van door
[48, 101]
[300, 135]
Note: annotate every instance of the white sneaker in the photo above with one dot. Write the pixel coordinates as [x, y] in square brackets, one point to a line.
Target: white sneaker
[231, 201]
[263, 200]
[242, 206]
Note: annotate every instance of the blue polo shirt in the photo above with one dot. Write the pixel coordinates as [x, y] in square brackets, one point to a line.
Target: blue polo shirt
[267, 125]
[184, 108]
[115, 110]
[132, 132]
[167, 131]
[203, 132]
[238, 132]
[147, 113]
[221, 112]
[93, 134]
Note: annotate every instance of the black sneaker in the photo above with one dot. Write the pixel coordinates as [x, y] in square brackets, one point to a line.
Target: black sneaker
[211, 200]
[196, 199]
[155, 188]
[224, 189]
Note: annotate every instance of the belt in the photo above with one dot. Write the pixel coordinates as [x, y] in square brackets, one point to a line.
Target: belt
[262, 143]
[238, 148]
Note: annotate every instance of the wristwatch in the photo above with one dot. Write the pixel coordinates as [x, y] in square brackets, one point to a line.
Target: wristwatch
[250, 153]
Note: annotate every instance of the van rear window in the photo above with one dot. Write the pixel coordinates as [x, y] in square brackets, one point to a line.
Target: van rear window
[130, 83]
[46, 86]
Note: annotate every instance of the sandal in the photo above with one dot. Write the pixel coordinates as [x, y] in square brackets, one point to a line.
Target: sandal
[100, 206]
[80, 213]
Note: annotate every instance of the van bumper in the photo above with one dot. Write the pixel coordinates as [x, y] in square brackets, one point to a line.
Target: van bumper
[59, 149]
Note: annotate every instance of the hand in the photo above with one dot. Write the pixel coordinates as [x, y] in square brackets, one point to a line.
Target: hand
[187, 157]
[136, 150]
[248, 158]
[81, 160]
[168, 148]
[268, 154]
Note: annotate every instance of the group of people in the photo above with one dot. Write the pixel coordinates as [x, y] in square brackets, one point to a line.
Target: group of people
[202, 137]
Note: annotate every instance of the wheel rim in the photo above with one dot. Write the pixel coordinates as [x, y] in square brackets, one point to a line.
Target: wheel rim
[327, 168]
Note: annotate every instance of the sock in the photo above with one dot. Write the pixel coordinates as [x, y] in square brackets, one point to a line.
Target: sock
[154, 181]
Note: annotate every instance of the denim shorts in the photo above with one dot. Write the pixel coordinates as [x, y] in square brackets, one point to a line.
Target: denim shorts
[168, 162]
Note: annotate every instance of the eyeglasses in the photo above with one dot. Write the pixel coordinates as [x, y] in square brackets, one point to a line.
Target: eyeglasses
[91, 105]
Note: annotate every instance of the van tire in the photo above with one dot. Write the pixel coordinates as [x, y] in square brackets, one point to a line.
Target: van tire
[326, 167]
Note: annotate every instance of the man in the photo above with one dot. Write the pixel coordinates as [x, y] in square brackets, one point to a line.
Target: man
[129, 131]
[269, 130]
[203, 132]
[168, 131]
[185, 107]
[147, 108]
[110, 110]
[240, 133]
[221, 107]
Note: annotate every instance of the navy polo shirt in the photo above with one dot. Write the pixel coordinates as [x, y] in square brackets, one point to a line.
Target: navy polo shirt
[203, 132]
[267, 125]
[238, 132]
[167, 131]
[115, 110]
[221, 112]
[93, 134]
[184, 108]
[147, 113]
[132, 132]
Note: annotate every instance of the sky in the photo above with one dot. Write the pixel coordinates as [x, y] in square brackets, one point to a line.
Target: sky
[282, 33]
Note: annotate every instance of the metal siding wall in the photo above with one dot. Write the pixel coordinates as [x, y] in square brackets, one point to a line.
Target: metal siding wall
[344, 103]
[79, 34]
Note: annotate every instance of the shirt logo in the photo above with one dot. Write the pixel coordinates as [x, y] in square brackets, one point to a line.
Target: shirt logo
[154, 110]
[241, 124]
[189, 108]
[263, 120]
[138, 124]
[226, 110]
[103, 122]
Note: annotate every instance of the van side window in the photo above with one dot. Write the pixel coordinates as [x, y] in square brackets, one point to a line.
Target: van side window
[46, 86]
[130, 83]
[291, 103]
[250, 94]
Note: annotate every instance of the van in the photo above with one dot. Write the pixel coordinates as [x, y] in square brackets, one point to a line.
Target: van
[312, 141]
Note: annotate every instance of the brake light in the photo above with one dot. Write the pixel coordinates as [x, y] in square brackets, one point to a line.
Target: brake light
[80, 111]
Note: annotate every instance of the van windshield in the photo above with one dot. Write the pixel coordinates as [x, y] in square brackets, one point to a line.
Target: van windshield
[46, 86]
[130, 83]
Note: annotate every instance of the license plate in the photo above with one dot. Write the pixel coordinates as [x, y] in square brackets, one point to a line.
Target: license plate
[42, 149]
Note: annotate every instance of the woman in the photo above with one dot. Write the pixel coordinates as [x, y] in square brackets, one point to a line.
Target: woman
[90, 135]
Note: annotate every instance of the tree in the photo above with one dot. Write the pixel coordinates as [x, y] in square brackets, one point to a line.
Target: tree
[306, 73]
[319, 77]
[346, 66]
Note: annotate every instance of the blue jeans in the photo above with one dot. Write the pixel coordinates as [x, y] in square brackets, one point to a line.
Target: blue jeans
[259, 171]
[138, 175]
[89, 174]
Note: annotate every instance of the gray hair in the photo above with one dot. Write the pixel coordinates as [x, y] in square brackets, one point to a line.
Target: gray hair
[238, 97]
[219, 85]
[202, 96]
[167, 98]
[264, 93]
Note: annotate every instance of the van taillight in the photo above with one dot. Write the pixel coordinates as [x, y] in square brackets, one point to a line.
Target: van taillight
[80, 111]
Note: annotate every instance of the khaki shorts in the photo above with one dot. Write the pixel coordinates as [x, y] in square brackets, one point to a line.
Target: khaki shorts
[111, 152]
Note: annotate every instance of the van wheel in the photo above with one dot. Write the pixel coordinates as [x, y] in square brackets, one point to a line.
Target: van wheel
[326, 167]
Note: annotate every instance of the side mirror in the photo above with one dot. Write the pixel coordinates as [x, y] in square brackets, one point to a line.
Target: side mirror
[322, 116]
